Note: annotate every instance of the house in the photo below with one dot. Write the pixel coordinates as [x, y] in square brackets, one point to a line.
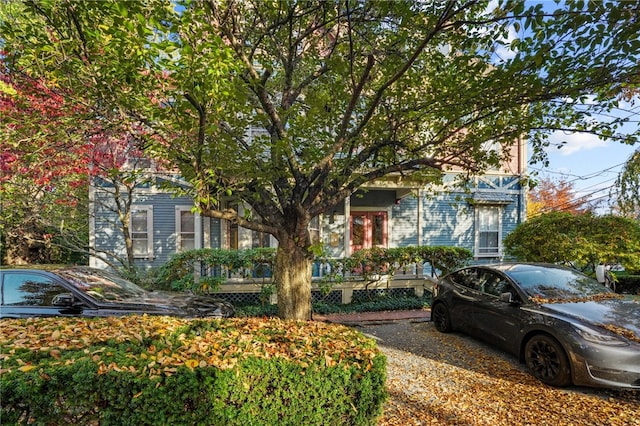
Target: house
[388, 213]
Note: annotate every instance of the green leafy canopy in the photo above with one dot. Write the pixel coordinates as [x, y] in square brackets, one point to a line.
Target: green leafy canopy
[290, 107]
[584, 240]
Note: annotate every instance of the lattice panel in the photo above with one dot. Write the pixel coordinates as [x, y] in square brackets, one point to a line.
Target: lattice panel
[240, 299]
[365, 295]
[334, 297]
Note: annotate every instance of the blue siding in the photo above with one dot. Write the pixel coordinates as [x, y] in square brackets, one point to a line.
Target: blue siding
[404, 223]
[512, 215]
[164, 226]
[108, 234]
[447, 219]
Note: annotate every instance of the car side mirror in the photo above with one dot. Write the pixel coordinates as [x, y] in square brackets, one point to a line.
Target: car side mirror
[63, 299]
[507, 297]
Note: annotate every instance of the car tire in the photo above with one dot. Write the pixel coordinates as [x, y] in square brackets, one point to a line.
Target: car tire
[547, 361]
[441, 318]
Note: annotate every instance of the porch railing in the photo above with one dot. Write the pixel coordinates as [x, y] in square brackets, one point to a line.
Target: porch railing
[249, 273]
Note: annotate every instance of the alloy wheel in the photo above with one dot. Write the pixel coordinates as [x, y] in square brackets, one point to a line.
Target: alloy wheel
[547, 361]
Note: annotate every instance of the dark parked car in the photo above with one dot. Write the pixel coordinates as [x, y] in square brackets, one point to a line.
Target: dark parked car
[89, 292]
[566, 326]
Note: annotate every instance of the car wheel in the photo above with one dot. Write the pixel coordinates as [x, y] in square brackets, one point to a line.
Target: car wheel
[547, 361]
[440, 317]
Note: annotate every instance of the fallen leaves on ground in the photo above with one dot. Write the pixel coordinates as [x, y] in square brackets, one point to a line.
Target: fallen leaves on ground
[438, 379]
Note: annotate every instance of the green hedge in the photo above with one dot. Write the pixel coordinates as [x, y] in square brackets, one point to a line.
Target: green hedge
[628, 284]
[256, 264]
[143, 370]
[380, 260]
[178, 272]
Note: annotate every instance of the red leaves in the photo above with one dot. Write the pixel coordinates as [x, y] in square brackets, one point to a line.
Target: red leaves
[52, 137]
[556, 195]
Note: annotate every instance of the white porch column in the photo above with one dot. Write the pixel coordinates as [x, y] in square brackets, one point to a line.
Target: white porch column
[347, 225]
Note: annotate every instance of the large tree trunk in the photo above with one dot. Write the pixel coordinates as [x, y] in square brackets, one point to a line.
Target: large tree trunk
[293, 279]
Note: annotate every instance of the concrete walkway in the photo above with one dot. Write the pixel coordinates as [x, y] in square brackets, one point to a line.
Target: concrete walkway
[416, 315]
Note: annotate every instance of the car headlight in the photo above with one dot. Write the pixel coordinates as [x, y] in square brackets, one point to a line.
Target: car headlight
[600, 337]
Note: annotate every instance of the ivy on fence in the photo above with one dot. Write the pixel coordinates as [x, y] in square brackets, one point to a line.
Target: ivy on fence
[378, 262]
[204, 270]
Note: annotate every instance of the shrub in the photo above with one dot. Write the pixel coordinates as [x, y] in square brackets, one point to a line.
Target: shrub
[374, 262]
[628, 284]
[582, 240]
[381, 303]
[213, 265]
[142, 370]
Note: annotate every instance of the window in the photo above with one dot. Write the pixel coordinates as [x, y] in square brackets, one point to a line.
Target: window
[492, 283]
[23, 289]
[187, 230]
[232, 229]
[260, 239]
[141, 228]
[368, 229]
[467, 278]
[488, 231]
[314, 230]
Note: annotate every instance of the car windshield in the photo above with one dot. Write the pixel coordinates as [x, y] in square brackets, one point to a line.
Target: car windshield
[101, 285]
[555, 284]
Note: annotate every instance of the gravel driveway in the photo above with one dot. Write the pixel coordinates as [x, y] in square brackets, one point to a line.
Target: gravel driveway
[451, 379]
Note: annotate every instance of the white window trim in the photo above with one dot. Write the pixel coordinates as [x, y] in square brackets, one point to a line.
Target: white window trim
[245, 235]
[149, 210]
[478, 209]
[252, 234]
[315, 225]
[197, 244]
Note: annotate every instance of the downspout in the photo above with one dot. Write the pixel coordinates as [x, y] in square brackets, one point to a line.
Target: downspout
[206, 225]
[198, 231]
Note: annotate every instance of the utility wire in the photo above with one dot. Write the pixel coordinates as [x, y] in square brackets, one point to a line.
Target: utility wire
[579, 177]
[577, 201]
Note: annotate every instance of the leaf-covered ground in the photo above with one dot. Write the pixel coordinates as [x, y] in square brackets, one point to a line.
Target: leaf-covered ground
[437, 379]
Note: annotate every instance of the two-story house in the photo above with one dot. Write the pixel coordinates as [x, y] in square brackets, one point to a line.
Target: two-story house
[388, 213]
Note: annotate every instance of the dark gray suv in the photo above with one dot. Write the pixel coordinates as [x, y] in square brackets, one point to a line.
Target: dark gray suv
[566, 326]
[89, 292]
